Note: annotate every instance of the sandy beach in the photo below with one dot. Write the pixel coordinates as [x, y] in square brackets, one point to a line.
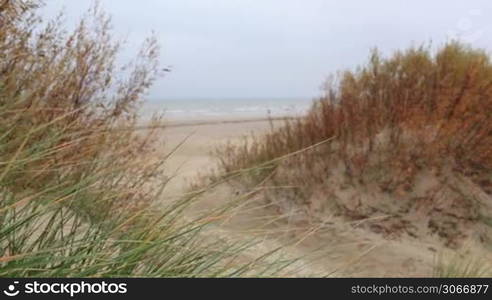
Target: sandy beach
[192, 142]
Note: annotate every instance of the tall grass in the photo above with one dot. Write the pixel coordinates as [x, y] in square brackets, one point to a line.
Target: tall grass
[461, 266]
[77, 187]
[416, 108]
[403, 142]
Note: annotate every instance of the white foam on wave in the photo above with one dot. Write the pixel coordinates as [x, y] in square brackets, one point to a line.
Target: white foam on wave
[227, 108]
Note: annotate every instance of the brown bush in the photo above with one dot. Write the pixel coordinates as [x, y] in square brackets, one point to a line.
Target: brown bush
[408, 137]
[420, 106]
[62, 94]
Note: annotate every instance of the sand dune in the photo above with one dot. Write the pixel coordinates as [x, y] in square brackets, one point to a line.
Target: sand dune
[336, 247]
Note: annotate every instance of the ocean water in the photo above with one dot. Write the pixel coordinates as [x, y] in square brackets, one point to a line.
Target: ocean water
[227, 108]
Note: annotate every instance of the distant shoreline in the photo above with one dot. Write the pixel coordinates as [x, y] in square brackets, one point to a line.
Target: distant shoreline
[181, 123]
[223, 109]
[193, 122]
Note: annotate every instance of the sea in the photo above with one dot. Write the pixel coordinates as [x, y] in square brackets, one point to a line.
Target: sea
[228, 108]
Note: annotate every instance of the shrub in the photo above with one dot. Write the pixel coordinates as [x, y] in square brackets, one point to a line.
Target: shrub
[440, 102]
[378, 133]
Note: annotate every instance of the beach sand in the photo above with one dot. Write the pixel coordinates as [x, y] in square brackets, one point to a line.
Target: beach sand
[191, 143]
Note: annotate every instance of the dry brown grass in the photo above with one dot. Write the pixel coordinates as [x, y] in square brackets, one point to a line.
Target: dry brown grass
[377, 130]
[62, 95]
[423, 107]
[76, 179]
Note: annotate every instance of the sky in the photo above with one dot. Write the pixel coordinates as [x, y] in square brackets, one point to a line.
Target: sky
[278, 48]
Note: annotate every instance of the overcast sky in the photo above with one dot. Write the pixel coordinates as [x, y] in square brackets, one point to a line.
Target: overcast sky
[280, 48]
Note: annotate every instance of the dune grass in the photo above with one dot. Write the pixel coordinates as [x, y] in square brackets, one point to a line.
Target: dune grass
[78, 183]
[408, 136]
[459, 265]
[436, 101]
[384, 122]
